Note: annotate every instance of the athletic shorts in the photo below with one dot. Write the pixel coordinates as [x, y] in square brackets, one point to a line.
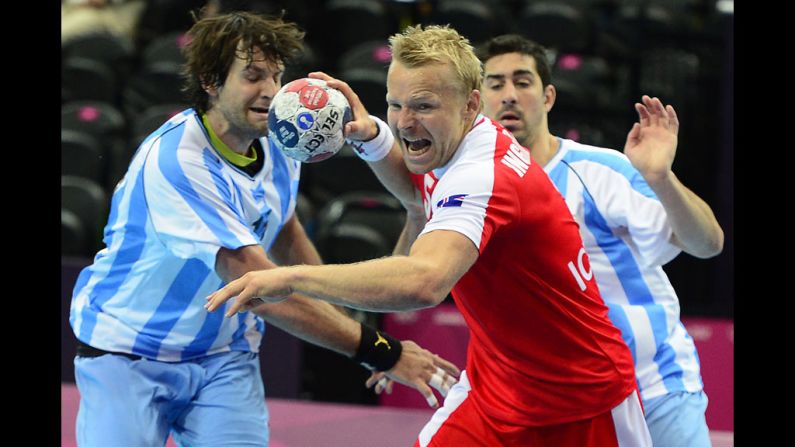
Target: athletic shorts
[218, 400]
[460, 423]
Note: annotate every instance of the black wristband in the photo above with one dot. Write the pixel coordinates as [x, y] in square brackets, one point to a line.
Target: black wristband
[377, 350]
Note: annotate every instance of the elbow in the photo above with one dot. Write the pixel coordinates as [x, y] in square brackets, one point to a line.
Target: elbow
[711, 246]
[429, 292]
[715, 246]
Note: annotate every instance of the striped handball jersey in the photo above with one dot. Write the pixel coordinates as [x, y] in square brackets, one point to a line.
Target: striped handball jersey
[627, 236]
[177, 205]
[542, 349]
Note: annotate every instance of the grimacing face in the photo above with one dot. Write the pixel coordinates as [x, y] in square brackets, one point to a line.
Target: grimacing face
[514, 96]
[428, 113]
[244, 98]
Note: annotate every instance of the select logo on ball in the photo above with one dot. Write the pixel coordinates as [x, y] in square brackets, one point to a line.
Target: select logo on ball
[305, 120]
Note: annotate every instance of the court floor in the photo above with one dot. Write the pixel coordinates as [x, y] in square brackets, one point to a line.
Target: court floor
[316, 424]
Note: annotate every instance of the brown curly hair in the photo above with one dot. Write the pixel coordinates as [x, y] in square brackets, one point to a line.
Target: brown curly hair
[213, 46]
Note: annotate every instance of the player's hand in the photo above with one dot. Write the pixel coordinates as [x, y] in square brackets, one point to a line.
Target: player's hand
[361, 127]
[418, 368]
[252, 289]
[651, 143]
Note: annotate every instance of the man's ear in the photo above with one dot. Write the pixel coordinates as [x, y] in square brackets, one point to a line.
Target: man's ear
[473, 102]
[211, 89]
[549, 97]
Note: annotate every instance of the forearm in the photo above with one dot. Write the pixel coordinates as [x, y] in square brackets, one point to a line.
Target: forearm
[415, 222]
[311, 320]
[391, 171]
[693, 223]
[293, 246]
[395, 283]
[423, 279]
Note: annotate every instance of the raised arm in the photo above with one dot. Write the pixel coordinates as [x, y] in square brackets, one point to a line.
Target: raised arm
[651, 147]
[390, 170]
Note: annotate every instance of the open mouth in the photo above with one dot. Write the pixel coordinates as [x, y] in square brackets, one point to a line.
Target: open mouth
[261, 110]
[417, 147]
[510, 120]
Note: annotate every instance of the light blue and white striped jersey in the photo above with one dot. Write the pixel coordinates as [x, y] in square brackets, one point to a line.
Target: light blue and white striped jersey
[626, 233]
[178, 204]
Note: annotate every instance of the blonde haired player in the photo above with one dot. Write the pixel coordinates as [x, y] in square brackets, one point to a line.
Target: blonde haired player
[545, 366]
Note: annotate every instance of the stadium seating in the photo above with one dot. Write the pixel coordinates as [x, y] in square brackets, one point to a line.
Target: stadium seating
[88, 202]
[87, 79]
[82, 156]
[73, 235]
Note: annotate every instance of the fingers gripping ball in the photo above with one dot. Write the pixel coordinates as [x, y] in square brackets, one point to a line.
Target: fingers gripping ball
[306, 119]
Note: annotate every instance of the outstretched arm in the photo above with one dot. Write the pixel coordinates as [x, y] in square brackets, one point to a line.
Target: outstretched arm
[651, 147]
[319, 322]
[422, 279]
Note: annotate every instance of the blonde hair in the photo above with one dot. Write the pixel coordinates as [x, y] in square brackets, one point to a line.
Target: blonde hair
[415, 47]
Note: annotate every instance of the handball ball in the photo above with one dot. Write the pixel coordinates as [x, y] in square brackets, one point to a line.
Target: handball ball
[306, 119]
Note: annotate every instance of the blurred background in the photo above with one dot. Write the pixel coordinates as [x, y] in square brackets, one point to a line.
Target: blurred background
[120, 81]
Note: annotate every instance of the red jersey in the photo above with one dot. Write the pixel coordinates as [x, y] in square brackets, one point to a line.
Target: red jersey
[542, 350]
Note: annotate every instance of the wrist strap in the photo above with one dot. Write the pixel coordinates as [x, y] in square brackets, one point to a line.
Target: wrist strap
[377, 148]
[377, 350]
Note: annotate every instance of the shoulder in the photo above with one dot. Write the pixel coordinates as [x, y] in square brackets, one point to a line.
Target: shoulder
[598, 164]
[611, 158]
[183, 150]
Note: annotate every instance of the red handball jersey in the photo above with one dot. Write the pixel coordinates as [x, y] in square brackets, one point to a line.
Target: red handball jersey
[542, 350]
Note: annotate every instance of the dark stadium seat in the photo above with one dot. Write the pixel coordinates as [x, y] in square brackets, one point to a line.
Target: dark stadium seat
[157, 83]
[106, 124]
[88, 201]
[562, 25]
[98, 118]
[477, 20]
[116, 52]
[73, 239]
[345, 243]
[582, 80]
[87, 79]
[373, 54]
[345, 23]
[370, 85]
[344, 172]
[644, 23]
[306, 212]
[306, 62]
[165, 48]
[669, 73]
[82, 156]
[579, 131]
[161, 17]
[380, 212]
[108, 48]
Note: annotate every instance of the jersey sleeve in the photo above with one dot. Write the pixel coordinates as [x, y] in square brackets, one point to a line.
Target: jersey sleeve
[466, 201]
[630, 206]
[193, 205]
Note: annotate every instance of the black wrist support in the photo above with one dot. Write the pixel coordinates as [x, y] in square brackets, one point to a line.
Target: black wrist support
[377, 350]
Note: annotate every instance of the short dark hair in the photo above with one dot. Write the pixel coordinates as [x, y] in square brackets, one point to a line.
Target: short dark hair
[213, 46]
[514, 43]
